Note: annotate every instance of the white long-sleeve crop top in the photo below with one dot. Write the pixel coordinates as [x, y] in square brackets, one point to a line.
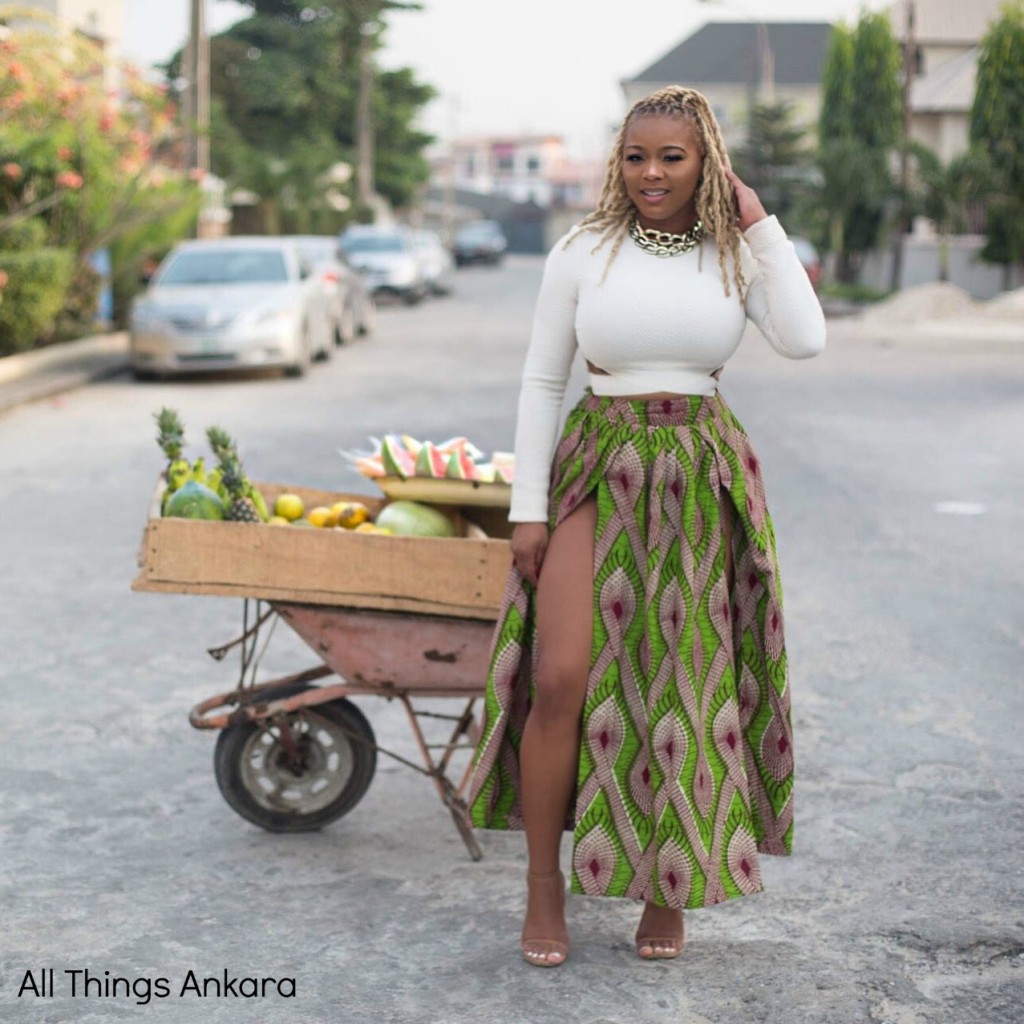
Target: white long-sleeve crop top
[655, 324]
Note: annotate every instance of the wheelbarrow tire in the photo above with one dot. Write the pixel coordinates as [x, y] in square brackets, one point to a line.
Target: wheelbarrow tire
[339, 759]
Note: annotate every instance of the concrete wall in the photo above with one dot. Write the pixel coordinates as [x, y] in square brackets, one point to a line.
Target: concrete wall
[103, 18]
[921, 266]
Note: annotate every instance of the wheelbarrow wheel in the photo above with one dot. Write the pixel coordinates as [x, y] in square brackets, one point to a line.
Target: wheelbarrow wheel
[260, 781]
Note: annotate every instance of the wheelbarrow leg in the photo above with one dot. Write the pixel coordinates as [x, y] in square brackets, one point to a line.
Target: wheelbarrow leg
[448, 793]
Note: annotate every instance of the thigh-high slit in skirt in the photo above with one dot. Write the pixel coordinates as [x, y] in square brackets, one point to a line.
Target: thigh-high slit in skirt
[686, 751]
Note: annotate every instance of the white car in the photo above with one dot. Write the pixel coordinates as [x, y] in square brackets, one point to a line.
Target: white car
[435, 260]
[386, 259]
[351, 307]
[230, 303]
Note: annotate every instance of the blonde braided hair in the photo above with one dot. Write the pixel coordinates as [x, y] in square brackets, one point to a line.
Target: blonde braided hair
[716, 202]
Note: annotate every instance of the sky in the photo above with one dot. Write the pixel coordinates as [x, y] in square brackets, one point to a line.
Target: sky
[513, 66]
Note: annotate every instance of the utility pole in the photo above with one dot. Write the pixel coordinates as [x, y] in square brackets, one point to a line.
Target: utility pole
[365, 189]
[197, 96]
[448, 207]
[909, 55]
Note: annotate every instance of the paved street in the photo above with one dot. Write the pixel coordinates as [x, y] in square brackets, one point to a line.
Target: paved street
[906, 627]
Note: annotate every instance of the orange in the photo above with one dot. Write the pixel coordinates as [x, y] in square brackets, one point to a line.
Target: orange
[351, 513]
[322, 516]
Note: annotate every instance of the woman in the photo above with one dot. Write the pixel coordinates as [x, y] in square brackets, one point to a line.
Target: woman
[638, 690]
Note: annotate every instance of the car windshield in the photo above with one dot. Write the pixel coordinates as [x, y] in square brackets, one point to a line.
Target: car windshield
[372, 243]
[226, 266]
[479, 231]
[317, 252]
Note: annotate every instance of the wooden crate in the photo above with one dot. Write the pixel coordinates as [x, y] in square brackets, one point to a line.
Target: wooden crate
[462, 576]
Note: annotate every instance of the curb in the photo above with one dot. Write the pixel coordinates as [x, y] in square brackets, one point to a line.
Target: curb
[954, 334]
[31, 376]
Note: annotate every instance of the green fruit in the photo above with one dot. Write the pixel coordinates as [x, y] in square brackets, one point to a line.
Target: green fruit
[259, 501]
[177, 474]
[198, 472]
[194, 501]
[411, 519]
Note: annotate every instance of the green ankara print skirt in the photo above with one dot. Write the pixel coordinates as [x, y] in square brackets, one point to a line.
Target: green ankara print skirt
[686, 752]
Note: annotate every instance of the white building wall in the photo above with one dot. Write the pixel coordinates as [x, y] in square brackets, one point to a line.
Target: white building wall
[101, 18]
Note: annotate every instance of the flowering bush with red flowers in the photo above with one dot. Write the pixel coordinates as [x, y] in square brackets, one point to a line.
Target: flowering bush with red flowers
[89, 150]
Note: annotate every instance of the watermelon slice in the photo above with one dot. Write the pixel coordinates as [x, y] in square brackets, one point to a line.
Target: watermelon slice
[460, 444]
[484, 472]
[395, 459]
[504, 466]
[460, 466]
[370, 465]
[430, 461]
[412, 446]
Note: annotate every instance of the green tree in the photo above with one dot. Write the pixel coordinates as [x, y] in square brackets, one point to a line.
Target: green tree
[774, 160]
[84, 167]
[942, 193]
[997, 136]
[334, 75]
[835, 119]
[858, 129]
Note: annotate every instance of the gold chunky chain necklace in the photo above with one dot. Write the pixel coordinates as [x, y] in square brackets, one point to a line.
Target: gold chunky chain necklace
[664, 243]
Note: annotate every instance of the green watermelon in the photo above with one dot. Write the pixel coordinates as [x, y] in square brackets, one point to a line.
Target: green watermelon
[195, 501]
[411, 519]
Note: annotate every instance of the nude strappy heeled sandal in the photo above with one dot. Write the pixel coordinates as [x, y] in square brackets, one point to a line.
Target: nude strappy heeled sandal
[536, 951]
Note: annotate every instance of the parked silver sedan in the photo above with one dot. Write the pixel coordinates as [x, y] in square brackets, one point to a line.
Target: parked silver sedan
[230, 303]
[435, 260]
[350, 305]
[386, 259]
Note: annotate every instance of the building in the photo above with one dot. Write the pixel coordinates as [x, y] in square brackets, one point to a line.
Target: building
[518, 167]
[946, 37]
[736, 64]
[99, 21]
[526, 182]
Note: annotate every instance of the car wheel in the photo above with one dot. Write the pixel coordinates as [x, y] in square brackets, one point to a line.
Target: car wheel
[305, 357]
[413, 298]
[369, 321]
[345, 332]
[142, 376]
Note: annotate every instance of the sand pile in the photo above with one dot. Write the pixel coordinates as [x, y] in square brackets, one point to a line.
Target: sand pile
[935, 301]
[1008, 306]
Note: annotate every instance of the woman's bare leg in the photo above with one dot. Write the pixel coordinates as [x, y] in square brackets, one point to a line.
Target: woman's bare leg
[549, 753]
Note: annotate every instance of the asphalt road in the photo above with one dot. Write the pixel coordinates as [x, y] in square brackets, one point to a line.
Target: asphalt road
[902, 904]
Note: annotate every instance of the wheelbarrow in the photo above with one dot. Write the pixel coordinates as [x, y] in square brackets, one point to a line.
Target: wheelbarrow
[404, 618]
[293, 755]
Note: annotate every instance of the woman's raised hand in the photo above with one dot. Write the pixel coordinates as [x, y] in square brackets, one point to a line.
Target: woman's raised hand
[529, 542]
[751, 210]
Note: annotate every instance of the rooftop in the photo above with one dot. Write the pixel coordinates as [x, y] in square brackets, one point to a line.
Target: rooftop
[946, 21]
[949, 88]
[725, 53]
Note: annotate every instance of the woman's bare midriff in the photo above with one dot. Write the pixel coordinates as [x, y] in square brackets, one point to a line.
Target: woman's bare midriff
[640, 398]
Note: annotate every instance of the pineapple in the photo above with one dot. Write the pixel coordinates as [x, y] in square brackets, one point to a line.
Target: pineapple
[242, 508]
[224, 449]
[171, 438]
[221, 443]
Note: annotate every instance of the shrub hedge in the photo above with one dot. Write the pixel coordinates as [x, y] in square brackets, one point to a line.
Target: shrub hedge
[34, 295]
